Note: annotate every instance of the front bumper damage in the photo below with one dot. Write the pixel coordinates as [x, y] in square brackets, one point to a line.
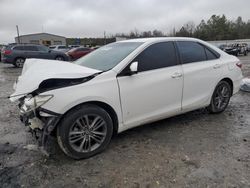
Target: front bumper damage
[41, 123]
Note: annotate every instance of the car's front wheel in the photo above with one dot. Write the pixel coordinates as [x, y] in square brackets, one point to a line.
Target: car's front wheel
[220, 98]
[85, 131]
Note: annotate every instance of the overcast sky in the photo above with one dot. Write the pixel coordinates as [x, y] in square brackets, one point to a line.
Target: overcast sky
[90, 18]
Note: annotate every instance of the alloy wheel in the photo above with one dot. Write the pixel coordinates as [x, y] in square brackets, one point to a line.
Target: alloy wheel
[87, 133]
[221, 97]
[19, 62]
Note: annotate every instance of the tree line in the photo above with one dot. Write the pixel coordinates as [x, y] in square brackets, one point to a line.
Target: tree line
[217, 27]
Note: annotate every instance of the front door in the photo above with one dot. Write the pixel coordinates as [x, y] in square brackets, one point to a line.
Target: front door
[155, 91]
[44, 53]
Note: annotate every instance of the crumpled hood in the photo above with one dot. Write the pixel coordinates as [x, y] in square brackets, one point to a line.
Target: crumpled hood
[37, 70]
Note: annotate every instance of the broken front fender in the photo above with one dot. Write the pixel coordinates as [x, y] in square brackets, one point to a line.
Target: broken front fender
[41, 124]
[55, 73]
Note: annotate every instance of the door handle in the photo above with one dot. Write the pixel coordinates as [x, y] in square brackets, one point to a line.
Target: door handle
[216, 66]
[176, 75]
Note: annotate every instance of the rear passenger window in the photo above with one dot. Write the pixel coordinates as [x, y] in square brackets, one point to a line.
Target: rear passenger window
[210, 55]
[191, 52]
[30, 48]
[157, 56]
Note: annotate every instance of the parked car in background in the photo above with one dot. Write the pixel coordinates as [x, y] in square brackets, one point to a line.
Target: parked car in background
[222, 46]
[1, 49]
[61, 48]
[17, 54]
[230, 49]
[120, 86]
[95, 47]
[247, 46]
[236, 49]
[74, 46]
[76, 53]
[243, 48]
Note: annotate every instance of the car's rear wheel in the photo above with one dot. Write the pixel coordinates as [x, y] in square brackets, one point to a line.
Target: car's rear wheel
[19, 62]
[220, 98]
[85, 131]
[59, 58]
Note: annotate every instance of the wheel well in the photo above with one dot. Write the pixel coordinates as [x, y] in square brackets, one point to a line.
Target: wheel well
[103, 105]
[228, 80]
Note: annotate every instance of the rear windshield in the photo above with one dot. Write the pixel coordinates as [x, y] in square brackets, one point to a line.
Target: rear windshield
[8, 47]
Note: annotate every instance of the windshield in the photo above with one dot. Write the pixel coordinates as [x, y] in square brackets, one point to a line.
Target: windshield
[108, 56]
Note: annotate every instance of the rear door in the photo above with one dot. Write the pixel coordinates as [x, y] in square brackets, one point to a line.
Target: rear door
[156, 90]
[202, 70]
[30, 51]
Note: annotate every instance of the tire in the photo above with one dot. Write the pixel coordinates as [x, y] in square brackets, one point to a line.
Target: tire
[59, 58]
[19, 62]
[220, 98]
[84, 125]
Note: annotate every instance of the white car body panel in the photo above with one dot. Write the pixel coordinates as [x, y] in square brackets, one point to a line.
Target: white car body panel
[140, 98]
[37, 70]
[103, 88]
[137, 102]
[200, 80]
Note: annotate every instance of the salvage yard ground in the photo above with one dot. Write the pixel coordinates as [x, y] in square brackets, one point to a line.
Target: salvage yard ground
[196, 149]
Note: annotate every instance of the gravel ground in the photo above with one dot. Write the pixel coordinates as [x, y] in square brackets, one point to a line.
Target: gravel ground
[191, 150]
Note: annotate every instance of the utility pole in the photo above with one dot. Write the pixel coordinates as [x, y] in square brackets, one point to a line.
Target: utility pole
[104, 37]
[18, 37]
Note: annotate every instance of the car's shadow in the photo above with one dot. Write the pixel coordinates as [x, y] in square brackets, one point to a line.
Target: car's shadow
[140, 134]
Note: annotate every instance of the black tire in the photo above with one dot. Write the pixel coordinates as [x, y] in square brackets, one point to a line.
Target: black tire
[60, 58]
[19, 62]
[70, 130]
[215, 106]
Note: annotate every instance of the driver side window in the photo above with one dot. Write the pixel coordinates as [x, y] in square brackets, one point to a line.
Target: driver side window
[157, 56]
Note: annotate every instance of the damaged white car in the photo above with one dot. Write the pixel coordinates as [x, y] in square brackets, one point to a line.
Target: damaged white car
[120, 86]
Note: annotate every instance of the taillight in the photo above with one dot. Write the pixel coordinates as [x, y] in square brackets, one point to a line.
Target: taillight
[7, 52]
[239, 65]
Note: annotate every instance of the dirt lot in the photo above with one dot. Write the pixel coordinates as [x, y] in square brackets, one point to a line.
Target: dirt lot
[192, 150]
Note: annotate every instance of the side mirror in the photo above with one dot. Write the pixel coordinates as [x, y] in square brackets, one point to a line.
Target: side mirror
[133, 68]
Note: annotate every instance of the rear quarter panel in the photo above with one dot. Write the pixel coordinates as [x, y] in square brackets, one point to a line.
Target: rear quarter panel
[233, 72]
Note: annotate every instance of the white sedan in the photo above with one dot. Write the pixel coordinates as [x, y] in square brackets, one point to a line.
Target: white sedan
[61, 48]
[120, 86]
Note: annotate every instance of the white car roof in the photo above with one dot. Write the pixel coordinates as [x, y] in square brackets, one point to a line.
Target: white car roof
[158, 39]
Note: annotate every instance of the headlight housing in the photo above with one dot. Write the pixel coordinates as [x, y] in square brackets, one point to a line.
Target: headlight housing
[31, 103]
